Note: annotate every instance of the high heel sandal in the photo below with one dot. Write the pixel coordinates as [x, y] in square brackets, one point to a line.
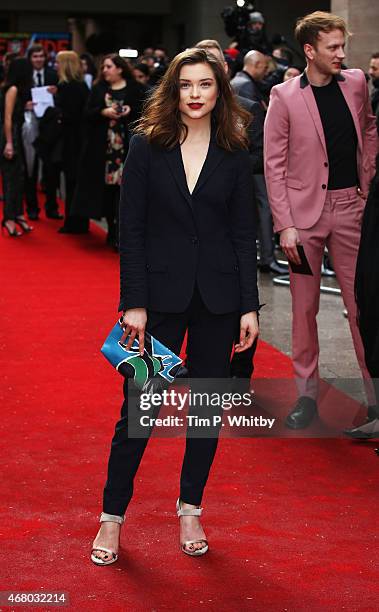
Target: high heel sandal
[191, 512]
[111, 518]
[23, 224]
[12, 233]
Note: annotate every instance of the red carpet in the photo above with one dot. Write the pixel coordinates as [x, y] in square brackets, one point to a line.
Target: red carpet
[292, 525]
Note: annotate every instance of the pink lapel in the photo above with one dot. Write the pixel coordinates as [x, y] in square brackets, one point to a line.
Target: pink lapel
[346, 90]
[313, 110]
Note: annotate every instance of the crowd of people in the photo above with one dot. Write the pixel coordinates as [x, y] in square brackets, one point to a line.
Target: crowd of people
[89, 126]
[95, 103]
[214, 150]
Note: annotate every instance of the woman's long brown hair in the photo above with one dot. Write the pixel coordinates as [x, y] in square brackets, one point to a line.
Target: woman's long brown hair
[161, 120]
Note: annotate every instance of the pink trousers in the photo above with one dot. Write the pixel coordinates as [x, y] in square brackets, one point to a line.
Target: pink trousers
[338, 228]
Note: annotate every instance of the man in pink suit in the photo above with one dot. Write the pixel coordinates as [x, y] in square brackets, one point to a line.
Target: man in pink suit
[320, 147]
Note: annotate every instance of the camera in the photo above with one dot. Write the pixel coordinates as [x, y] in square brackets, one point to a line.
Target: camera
[247, 26]
[236, 19]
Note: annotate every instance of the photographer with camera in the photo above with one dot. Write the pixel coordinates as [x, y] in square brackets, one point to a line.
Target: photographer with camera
[247, 27]
[256, 33]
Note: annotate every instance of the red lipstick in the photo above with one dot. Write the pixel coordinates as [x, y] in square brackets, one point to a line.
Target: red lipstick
[195, 105]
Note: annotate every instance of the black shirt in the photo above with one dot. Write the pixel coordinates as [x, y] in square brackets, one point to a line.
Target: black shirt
[340, 135]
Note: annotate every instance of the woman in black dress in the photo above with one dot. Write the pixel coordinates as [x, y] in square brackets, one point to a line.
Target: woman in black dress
[115, 101]
[71, 99]
[15, 96]
[188, 262]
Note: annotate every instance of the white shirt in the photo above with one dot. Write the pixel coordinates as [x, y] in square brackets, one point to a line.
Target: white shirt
[88, 78]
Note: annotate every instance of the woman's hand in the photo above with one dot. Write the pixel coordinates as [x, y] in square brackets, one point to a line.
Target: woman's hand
[134, 321]
[111, 113]
[29, 106]
[249, 330]
[125, 111]
[8, 150]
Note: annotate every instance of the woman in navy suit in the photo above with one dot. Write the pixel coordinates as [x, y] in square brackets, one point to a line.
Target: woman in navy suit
[188, 262]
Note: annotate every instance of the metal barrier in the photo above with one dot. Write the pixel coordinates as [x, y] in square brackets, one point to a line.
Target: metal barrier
[284, 280]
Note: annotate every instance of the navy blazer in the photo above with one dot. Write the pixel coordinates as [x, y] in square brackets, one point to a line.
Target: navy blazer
[170, 240]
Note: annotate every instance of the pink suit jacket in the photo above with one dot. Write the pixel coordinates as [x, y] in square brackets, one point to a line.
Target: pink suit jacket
[296, 161]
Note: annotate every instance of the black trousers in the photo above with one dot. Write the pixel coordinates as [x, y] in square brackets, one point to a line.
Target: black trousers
[111, 212]
[12, 171]
[242, 365]
[51, 174]
[73, 223]
[209, 345]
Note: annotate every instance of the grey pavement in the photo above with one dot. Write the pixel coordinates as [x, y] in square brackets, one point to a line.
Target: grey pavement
[337, 355]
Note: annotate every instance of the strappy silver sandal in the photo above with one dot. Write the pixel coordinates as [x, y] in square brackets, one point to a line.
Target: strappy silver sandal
[191, 512]
[111, 518]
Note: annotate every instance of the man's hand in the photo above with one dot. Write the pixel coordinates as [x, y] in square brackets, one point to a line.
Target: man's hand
[134, 323]
[289, 238]
[52, 89]
[249, 330]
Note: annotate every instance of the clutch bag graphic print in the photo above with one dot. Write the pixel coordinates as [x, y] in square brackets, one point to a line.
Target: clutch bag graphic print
[155, 367]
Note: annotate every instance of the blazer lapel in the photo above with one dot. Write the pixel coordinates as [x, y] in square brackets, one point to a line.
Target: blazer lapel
[214, 158]
[175, 162]
[310, 101]
[346, 91]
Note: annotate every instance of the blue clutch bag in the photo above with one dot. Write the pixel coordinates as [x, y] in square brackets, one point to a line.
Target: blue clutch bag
[156, 368]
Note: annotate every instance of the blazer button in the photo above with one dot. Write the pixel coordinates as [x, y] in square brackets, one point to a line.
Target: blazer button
[326, 164]
[323, 186]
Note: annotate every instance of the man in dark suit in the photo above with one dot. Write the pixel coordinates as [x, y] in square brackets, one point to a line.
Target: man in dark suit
[246, 82]
[246, 86]
[43, 76]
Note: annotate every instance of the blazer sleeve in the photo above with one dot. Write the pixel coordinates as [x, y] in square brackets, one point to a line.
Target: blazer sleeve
[243, 225]
[95, 104]
[133, 214]
[276, 136]
[255, 132]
